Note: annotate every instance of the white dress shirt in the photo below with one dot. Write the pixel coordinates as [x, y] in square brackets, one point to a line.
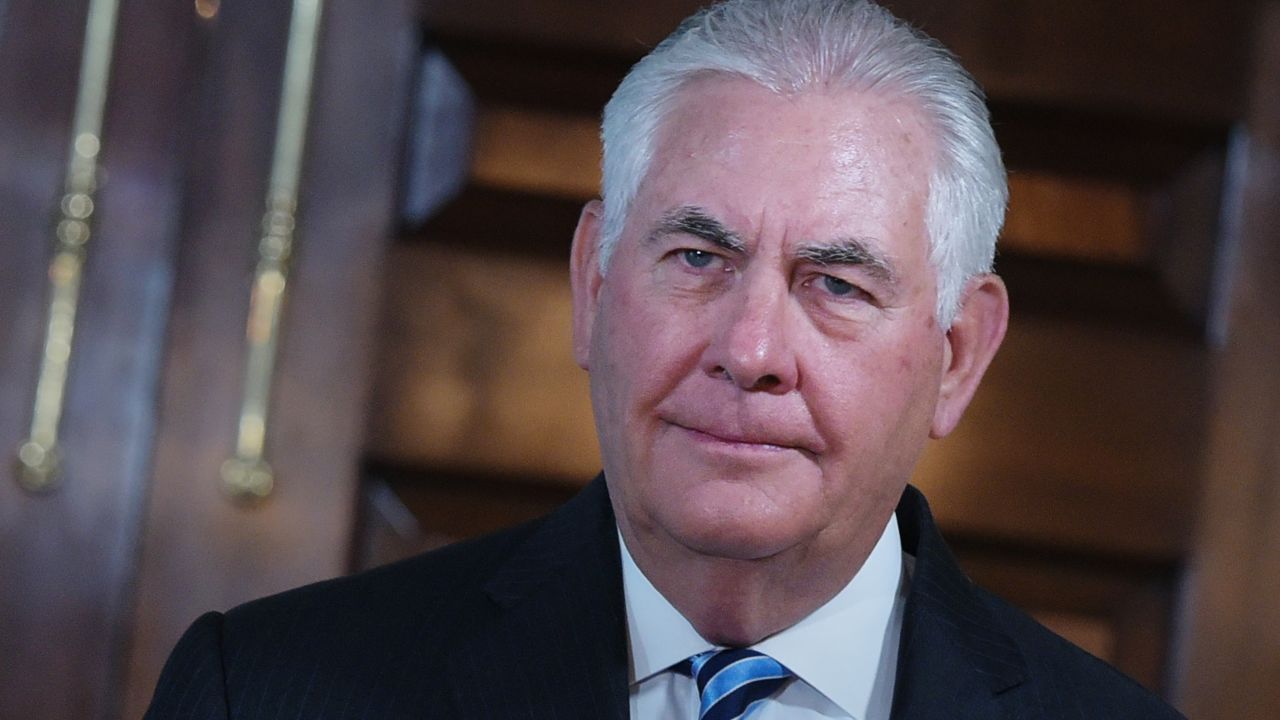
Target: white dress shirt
[844, 654]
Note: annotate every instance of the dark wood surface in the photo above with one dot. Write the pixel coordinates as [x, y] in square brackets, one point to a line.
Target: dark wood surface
[1179, 58]
[1232, 655]
[217, 552]
[1042, 133]
[67, 559]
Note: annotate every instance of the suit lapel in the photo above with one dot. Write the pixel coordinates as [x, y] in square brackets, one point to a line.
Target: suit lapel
[556, 643]
[954, 660]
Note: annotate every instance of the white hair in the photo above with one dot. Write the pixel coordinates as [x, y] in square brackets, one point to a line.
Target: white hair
[789, 46]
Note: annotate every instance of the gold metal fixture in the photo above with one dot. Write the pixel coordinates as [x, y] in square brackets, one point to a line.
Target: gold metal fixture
[208, 9]
[38, 466]
[247, 476]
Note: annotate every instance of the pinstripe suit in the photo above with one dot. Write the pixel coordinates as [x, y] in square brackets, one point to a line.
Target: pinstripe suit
[530, 623]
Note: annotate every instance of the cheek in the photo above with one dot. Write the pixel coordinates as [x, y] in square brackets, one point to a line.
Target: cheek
[919, 366]
[881, 398]
[918, 355]
[916, 367]
[642, 345]
[907, 366]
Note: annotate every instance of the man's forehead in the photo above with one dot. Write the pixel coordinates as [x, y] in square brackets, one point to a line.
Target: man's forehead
[820, 168]
[733, 124]
[828, 110]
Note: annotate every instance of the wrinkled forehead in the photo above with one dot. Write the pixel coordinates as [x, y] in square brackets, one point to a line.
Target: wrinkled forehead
[818, 157]
[850, 122]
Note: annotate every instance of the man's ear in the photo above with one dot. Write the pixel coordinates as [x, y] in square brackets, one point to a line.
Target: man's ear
[585, 278]
[974, 337]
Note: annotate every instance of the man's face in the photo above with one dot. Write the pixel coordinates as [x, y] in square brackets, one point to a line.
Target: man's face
[765, 361]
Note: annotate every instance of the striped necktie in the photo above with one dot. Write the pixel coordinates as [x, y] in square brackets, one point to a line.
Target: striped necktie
[732, 681]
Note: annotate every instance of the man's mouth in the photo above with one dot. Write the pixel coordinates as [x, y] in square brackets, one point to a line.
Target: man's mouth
[736, 439]
[739, 439]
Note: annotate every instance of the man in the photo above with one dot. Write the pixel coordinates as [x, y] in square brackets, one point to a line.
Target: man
[784, 293]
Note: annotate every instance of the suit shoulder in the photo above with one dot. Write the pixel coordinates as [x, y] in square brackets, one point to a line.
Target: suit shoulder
[1062, 671]
[369, 638]
[421, 581]
[365, 625]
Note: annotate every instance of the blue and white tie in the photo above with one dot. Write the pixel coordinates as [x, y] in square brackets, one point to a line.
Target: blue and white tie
[732, 681]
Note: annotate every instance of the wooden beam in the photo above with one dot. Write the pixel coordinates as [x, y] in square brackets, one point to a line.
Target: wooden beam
[515, 72]
[491, 220]
[1184, 59]
[1125, 297]
[551, 154]
[1045, 212]
[1157, 58]
[1103, 144]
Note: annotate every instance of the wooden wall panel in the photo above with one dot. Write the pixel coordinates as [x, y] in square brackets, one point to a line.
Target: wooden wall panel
[476, 370]
[548, 153]
[1232, 636]
[67, 559]
[1180, 57]
[1081, 436]
[201, 551]
[1078, 219]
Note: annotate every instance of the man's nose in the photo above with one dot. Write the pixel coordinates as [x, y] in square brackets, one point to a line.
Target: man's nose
[753, 347]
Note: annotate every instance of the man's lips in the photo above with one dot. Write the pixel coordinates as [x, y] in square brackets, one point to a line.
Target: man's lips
[736, 440]
[761, 441]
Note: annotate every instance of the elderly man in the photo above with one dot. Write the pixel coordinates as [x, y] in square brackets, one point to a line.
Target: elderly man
[784, 293]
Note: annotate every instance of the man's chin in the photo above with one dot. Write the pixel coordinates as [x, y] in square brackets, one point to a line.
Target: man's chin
[738, 517]
[740, 538]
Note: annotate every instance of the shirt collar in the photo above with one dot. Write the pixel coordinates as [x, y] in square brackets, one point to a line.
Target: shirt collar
[837, 649]
[658, 635]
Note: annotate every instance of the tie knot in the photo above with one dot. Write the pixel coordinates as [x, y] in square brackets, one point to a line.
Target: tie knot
[731, 681]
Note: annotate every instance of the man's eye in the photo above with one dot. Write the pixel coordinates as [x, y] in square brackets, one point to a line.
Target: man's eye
[697, 258]
[836, 286]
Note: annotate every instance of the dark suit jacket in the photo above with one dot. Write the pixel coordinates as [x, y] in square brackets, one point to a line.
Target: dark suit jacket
[530, 623]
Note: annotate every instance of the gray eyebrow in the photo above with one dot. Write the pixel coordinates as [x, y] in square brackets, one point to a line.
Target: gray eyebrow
[850, 251]
[695, 221]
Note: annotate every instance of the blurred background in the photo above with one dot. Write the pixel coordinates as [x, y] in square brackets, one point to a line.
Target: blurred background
[1118, 474]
